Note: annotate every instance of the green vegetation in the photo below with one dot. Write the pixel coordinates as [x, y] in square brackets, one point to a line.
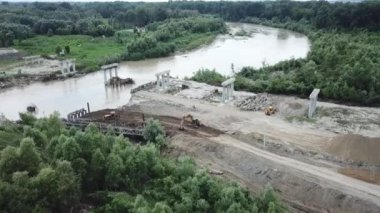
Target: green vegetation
[343, 61]
[47, 168]
[344, 65]
[344, 57]
[158, 40]
[208, 76]
[300, 119]
[88, 51]
[163, 38]
[100, 33]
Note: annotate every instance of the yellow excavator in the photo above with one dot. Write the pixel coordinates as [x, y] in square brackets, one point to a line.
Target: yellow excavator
[270, 110]
[189, 119]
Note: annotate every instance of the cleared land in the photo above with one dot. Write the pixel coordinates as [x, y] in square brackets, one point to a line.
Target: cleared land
[295, 158]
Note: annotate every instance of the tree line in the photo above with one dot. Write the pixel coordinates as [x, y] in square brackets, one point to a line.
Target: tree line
[47, 168]
[22, 20]
[164, 38]
[321, 14]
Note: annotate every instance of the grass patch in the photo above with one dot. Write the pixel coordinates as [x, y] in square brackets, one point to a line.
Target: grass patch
[89, 52]
[193, 41]
[8, 62]
[208, 76]
[300, 119]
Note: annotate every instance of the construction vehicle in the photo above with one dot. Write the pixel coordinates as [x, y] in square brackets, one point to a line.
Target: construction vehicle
[270, 110]
[189, 119]
[110, 116]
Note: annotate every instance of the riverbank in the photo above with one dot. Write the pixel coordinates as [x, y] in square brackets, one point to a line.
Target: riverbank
[154, 41]
[70, 94]
[342, 63]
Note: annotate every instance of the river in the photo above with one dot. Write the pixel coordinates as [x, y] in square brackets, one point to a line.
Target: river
[265, 46]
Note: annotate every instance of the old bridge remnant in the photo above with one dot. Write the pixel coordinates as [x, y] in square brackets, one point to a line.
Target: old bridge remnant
[72, 116]
[163, 79]
[313, 102]
[228, 89]
[68, 66]
[34, 59]
[109, 68]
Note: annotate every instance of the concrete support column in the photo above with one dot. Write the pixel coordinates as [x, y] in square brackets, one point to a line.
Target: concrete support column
[163, 79]
[116, 72]
[224, 94]
[157, 81]
[313, 102]
[228, 89]
[105, 76]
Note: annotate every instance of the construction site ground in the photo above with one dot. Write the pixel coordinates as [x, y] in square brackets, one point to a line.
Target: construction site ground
[325, 164]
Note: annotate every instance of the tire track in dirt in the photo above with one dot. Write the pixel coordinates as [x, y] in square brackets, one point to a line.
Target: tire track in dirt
[326, 177]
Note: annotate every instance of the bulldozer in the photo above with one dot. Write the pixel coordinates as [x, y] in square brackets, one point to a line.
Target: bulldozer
[111, 116]
[189, 119]
[270, 110]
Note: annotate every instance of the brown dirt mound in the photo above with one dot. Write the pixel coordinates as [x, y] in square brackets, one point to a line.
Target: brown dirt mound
[356, 147]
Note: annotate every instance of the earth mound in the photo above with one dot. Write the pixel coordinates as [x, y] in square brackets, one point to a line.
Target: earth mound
[356, 147]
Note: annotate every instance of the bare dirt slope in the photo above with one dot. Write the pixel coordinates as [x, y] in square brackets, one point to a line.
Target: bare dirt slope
[304, 187]
[356, 147]
[230, 119]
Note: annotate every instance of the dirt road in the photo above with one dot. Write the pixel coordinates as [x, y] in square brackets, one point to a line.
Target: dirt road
[326, 177]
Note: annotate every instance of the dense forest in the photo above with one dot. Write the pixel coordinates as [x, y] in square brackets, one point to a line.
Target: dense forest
[47, 168]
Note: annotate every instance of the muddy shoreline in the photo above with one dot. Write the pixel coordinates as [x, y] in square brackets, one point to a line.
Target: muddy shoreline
[8, 82]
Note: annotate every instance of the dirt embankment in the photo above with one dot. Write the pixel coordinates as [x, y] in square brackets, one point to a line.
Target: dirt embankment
[304, 187]
[15, 71]
[25, 79]
[356, 147]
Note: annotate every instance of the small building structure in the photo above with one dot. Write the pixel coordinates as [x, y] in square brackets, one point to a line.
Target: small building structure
[34, 59]
[313, 102]
[163, 79]
[110, 68]
[68, 66]
[228, 89]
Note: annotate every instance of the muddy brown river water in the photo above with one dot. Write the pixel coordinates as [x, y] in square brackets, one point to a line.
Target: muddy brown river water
[265, 46]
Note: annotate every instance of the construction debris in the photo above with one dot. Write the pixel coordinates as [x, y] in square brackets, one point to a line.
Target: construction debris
[255, 103]
[117, 81]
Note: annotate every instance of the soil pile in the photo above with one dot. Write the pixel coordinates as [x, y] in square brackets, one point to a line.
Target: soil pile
[255, 103]
[356, 147]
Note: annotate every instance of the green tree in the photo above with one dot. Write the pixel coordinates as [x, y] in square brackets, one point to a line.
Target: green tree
[67, 49]
[152, 130]
[114, 173]
[29, 158]
[97, 170]
[58, 50]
